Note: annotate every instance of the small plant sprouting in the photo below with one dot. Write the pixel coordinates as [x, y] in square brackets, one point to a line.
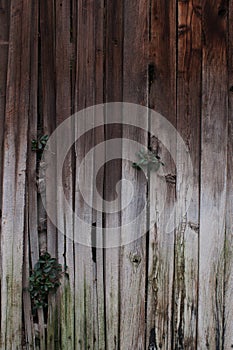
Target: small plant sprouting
[148, 159]
[45, 278]
[40, 143]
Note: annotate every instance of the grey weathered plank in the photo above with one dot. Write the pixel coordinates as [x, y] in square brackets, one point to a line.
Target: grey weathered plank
[4, 42]
[162, 99]
[99, 136]
[188, 125]
[29, 330]
[14, 171]
[89, 303]
[31, 246]
[133, 255]
[64, 217]
[228, 306]
[213, 177]
[113, 93]
[48, 235]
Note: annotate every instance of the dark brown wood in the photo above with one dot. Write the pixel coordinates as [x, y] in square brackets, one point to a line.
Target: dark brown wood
[14, 174]
[112, 172]
[65, 252]
[47, 123]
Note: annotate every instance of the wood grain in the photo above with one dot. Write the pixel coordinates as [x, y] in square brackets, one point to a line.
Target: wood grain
[213, 178]
[162, 99]
[14, 174]
[228, 307]
[166, 290]
[89, 294]
[133, 255]
[188, 125]
[113, 93]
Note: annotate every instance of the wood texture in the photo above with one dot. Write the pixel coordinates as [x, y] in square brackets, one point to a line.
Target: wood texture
[112, 172]
[89, 292]
[166, 290]
[228, 318]
[133, 255]
[14, 174]
[188, 125]
[213, 177]
[162, 82]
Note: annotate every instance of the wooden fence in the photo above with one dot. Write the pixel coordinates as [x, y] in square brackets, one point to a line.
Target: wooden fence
[163, 291]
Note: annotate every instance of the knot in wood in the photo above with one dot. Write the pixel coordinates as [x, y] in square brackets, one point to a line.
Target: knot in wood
[135, 259]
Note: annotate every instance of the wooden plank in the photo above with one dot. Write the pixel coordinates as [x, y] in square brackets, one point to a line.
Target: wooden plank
[89, 299]
[64, 218]
[113, 93]
[47, 123]
[133, 255]
[31, 246]
[99, 135]
[29, 331]
[213, 177]
[188, 126]
[14, 168]
[228, 305]
[47, 94]
[162, 99]
[32, 156]
[4, 42]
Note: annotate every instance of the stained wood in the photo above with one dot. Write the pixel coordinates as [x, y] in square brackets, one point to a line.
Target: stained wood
[188, 125]
[29, 330]
[166, 290]
[98, 217]
[228, 318]
[113, 93]
[4, 43]
[89, 298]
[31, 246]
[64, 218]
[133, 255]
[213, 177]
[48, 236]
[162, 98]
[14, 174]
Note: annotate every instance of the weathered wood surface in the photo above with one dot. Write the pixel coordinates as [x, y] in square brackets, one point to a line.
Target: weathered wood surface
[213, 177]
[168, 289]
[162, 82]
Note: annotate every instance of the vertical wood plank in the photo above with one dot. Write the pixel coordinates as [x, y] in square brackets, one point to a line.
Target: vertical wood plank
[89, 299]
[228, 305]
[213, 176]
[31, 246]
[48, 94]
[133, 255]
[4, 43]
[47, 123]
[29, 330]
[14, 168]
[162, 98]
[64, 219]
[113, 93]
[188, 125]
[99, 136]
